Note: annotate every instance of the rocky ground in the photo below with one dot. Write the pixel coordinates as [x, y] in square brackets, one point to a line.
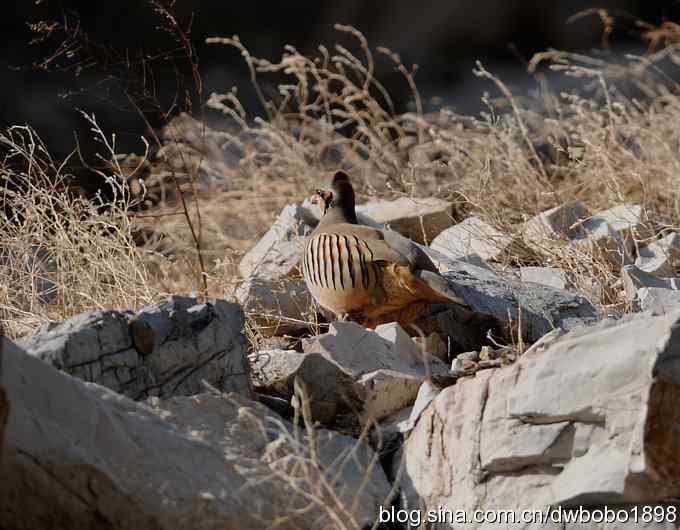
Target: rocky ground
[167, 418]
[241, 408]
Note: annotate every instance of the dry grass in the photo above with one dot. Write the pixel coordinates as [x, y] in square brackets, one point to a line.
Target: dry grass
[518, 158]
[61, 254]
[613, 143]
[296, 459]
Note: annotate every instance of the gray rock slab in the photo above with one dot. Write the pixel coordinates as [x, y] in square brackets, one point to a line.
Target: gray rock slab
[550, 276]
[472, 237]
[200, 462]
[614, 232]
[542, 308]
[278, 306]
[359, 350]
[445, 263]
[589, 420]
[660, 256]
[625, 219]
[331, 391]
[647, 292]
[420, 219]
[386, 366]
[635, 278]
[385, 392]
[658, 301]
[599, 237]
[278, 252]
[560, 222]
[165, 349]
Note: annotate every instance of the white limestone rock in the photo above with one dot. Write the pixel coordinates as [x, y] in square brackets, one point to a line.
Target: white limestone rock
[278, 306]
[472, 237]
[386, 365]
[590, 420]
[165, 349]
[660, 256]
[419, 219]
[560, 222]
[550, 276]
[650, 293]
[77, 455]
[277, 254]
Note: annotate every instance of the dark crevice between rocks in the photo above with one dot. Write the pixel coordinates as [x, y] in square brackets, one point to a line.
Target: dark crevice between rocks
[585, 415]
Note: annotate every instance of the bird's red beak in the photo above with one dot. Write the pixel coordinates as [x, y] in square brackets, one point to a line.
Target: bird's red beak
[321, 196]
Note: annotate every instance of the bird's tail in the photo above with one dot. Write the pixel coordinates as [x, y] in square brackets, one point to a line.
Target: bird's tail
[438, 289]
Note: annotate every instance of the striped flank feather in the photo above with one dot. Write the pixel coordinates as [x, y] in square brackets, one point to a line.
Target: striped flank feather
[339, 262]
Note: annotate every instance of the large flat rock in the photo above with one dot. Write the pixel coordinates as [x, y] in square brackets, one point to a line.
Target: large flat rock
[472, 237]
[77, 455]
[164, 350]
[420, 219]
[539, 308]
[277, 253]
[385, 367]
[278, 306]
[590, 420]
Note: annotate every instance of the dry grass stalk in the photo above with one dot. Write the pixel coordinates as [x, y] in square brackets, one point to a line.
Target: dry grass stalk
[332, 111]
[62, 254]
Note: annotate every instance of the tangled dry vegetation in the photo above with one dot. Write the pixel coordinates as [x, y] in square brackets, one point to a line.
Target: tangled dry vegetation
[62, 253]
[213, 191]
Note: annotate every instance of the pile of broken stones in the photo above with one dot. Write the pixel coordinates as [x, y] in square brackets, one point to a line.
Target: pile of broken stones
[163, 418]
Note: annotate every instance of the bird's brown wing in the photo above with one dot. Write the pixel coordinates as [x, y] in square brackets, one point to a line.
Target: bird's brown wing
[386, 245]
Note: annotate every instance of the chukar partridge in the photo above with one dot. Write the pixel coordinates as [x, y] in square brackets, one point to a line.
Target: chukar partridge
[365, 274]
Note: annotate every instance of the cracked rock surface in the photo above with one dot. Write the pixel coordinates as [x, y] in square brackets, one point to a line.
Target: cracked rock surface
[588, 421]
[542, 308]
[200, 462]
[163, 350]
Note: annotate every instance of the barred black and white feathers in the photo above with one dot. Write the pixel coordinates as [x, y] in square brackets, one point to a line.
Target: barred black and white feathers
[365, 274]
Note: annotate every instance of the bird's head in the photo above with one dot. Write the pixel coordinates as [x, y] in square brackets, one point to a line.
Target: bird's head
[340, 195]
